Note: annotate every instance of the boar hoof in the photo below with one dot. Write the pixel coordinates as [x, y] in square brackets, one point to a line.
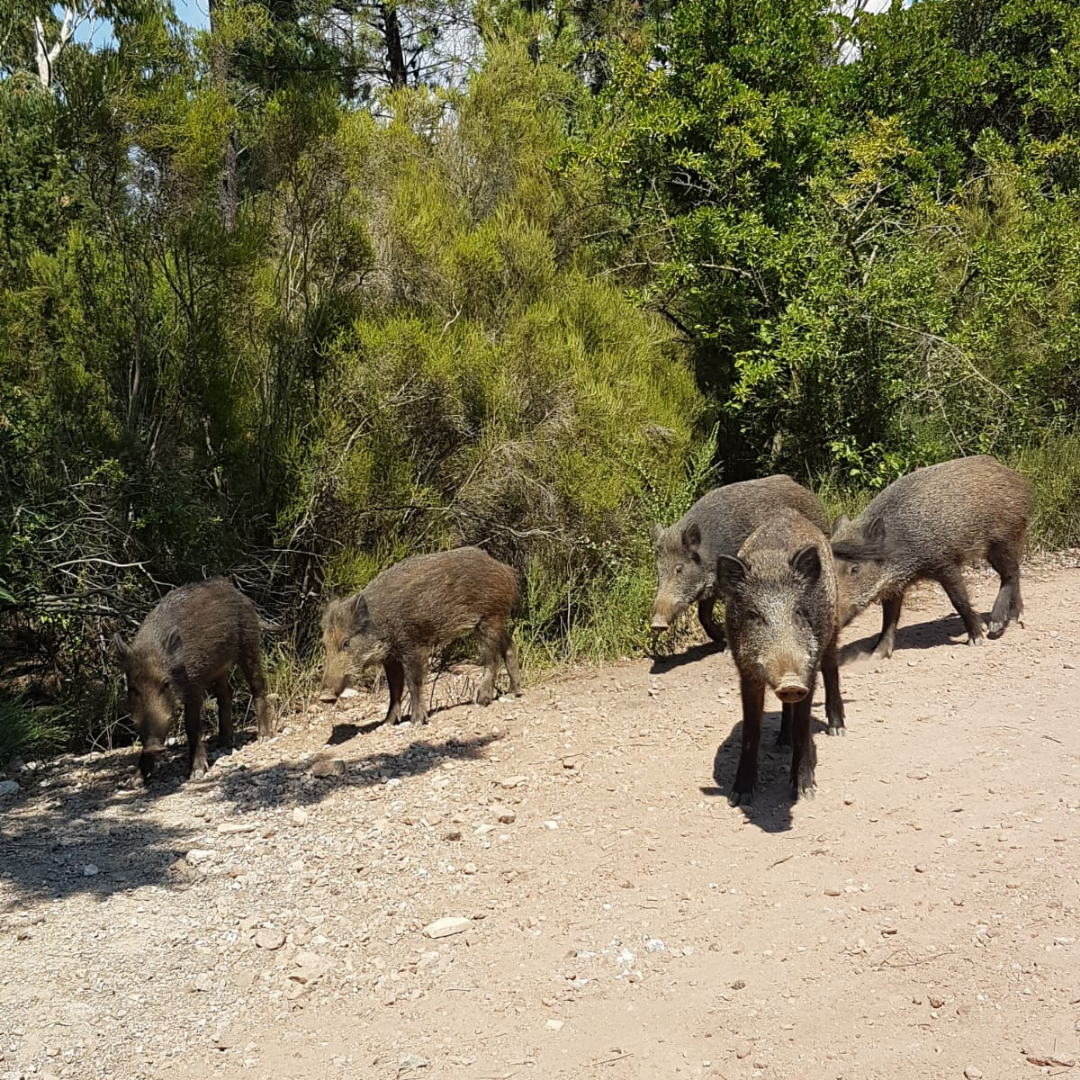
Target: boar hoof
[975, 640]
[803, 790]
[783, 738]
[741, 798]
[837, 728]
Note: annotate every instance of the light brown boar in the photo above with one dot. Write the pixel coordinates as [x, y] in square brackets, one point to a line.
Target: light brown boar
[419, 604]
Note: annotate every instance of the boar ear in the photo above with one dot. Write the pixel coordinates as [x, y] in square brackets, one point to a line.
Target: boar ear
[360, 614]
[657, 532]
[839, 523]
[691, 538]
[807, 563]
[173, 641]
[730, 574]
[875, 532]
[123, 652]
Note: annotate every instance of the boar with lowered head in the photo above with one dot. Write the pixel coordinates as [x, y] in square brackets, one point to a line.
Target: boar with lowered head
[409, 609]
[717, 524]
[780, 612]
[928, 525]
[186, 647]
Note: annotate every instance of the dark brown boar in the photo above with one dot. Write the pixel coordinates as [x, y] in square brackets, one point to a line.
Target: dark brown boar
[780, 613]
[422, 602]
[186, 647]
[717, 524]
[928, 525]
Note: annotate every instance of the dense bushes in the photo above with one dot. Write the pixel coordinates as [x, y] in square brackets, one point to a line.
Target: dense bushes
[260, 320]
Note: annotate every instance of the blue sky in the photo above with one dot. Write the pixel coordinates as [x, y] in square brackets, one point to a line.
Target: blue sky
[193, 12]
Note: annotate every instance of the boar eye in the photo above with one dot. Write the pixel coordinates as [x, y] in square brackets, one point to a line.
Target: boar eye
[678, 569]
[345, 644]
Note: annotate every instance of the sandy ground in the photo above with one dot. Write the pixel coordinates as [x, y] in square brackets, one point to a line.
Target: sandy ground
[918, 919]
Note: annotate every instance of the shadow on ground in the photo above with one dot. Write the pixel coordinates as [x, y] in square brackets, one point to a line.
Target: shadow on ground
[86, 828]
[671, 661]
[948, 630]
[771, 809]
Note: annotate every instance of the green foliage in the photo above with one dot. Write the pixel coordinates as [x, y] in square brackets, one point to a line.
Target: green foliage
[583, 262]
[32, 731]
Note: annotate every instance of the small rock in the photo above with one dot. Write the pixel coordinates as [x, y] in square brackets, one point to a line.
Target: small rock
[739, 984]
[743, 1050]
[441, 928]
[349, 692]
[324, 767]
[469, 868]
[973, 1073]
[89, 870]
[554, 1025]
[411, 1062]
[936, 1002]
[270, 938]
[8, 787]
[1069, 667]
[917, 774]
[204, 982]
[231, 828]
[200, 855]
[505, 815]
[512, 781]
[551, 824]
[654, 945]
[300, 816]
[831, 890]
[453, 834]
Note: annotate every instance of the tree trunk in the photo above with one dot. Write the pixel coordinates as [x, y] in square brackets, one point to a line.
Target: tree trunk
[219, 69]
[395, 53]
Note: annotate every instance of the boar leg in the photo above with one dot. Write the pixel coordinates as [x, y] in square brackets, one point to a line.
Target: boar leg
[223, 693]
[395, 680]
[952, 581]
[753, 702]
[193, 705]
[890, 619]
[783, 736]
[803, 751]
[415, 673]
[251, 666]
[489, 659]
[834, 702]
[1008, 605]
[509, 655]
[711, 627]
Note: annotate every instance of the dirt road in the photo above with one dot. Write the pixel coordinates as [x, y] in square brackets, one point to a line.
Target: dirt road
[919, 918]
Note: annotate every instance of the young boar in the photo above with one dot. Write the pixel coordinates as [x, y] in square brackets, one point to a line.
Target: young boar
[780, 612]
[929, 525]
[422, 602]
[717, 524]
[187, 646]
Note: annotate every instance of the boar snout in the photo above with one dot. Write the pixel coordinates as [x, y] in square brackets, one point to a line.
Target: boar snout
[791, 690]
[663, 614]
